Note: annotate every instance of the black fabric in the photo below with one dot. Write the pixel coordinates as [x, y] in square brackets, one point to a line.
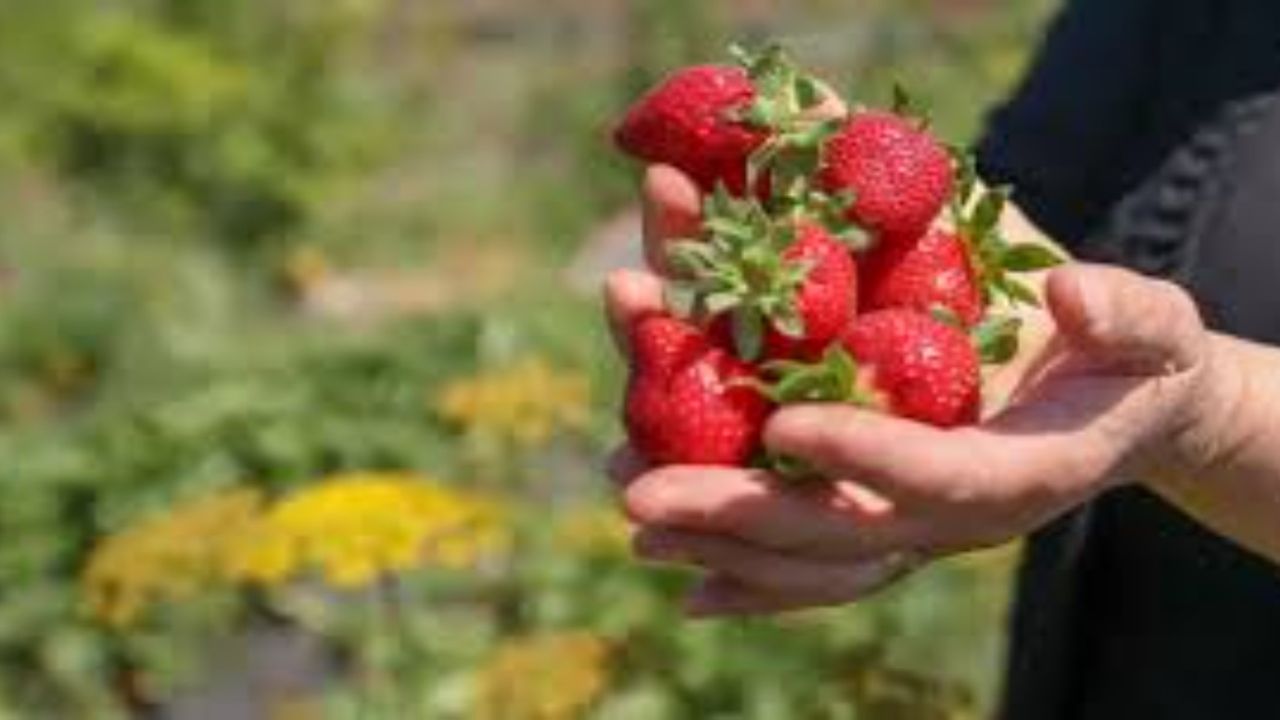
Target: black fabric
[1147, 134]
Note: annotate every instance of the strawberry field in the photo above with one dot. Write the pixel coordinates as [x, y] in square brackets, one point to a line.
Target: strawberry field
[305, 392]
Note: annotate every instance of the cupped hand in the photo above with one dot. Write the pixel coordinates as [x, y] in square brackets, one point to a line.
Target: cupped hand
[1108, 382]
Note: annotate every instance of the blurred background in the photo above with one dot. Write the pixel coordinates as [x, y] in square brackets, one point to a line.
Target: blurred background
[292, 290]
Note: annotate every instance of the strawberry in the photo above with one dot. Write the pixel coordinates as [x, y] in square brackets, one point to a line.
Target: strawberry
[960, 272]
[826, 299]
[709, 120]
[689, 401]
[917, 367]
[900, 361]
[934, 272]
[690, 121]
[779, 288]
[898, 175]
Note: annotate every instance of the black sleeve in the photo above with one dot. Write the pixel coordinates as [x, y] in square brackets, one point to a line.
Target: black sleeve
[1062, 140]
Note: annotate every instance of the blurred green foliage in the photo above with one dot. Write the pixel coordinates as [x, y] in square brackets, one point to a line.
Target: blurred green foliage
[228, 230]
[167, 103]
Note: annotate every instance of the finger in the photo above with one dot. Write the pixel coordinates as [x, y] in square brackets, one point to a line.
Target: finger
[759, 567]
[628, 294]
[1120, 319]
[724, 596]
[895, 457]
[941, 483]
[822, 521]
[625, 465]
[672, 210]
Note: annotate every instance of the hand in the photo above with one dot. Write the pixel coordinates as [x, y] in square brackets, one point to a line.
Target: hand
[1116, 380]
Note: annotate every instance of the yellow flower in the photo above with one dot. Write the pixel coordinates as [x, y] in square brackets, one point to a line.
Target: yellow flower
[170, 557]
[553, 676]
[354, 528]
[525, 403]
[599, 531]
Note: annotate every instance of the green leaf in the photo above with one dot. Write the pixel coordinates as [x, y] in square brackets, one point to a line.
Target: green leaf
[727, 228]
[966, 176]
[1029, 257]
[986, 216]
[748, 334]
[997, 339]
[1019, 293]
[809, 92]
[721, 302]
[763, 113]
[844, 367]
[901, 100]
[788, 322]
[690, 257]
[946, 316]
[855, 238]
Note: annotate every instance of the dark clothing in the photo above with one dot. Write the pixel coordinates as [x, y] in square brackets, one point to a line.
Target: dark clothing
[1146, 134]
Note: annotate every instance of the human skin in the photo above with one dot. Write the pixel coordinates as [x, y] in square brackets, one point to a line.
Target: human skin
[1118, 381]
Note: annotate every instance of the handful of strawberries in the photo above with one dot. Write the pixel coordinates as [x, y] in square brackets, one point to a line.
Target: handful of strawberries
[850, 259]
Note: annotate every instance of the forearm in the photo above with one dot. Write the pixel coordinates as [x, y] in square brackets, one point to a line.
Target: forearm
[1224, 468]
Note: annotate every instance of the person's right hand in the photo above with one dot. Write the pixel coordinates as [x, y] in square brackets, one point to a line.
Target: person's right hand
[1119, 376]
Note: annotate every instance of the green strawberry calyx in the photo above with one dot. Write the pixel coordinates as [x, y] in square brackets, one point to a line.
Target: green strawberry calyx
[906, 106]
[785, 105]
[997, 338]
[836, 378]
[738, 267]
[976, 212]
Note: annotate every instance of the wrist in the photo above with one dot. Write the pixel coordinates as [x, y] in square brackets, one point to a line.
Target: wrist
[1208, 425]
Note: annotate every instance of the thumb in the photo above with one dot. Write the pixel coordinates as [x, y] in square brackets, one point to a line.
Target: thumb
[1123, 321]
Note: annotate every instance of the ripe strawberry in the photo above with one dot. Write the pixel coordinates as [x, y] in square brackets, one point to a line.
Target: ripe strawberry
[688, 401]
[899, 176]
[724, 124]
[825, 299]
[963, 271]
[691, 121]
[900, 361]
[778, 288]
[930, 273]
[917, 367]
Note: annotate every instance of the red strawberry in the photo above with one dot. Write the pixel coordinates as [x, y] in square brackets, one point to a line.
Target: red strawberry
[962, 271]
[916, 366]
[715, 121]
[899, 175]
[781, 289]
[932, 272]
[825, 300]
[686, 399]
[690, 121]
